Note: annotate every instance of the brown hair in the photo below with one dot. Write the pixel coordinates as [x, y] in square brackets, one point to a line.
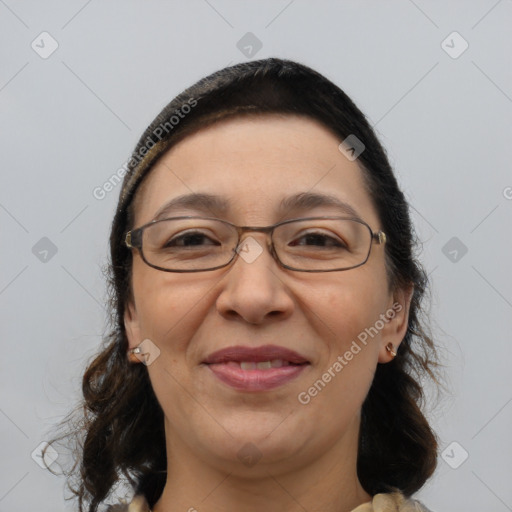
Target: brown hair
[121, 433]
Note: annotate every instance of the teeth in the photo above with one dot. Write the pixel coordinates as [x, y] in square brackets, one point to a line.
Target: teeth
[263, 365]
[251, 365]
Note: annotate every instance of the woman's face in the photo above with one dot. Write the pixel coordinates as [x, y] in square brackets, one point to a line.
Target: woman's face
[253, 164]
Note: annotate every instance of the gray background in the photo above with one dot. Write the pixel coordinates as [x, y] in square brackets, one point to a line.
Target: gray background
[69, 121]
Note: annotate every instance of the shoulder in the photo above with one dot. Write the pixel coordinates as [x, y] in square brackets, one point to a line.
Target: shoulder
[138, 504]
[392, 502]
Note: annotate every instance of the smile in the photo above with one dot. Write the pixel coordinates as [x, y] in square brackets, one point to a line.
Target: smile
[256, 368]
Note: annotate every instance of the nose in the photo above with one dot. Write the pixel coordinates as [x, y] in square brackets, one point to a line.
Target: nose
[254, 288]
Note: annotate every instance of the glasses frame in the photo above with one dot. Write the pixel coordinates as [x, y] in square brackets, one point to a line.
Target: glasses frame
[133, 240]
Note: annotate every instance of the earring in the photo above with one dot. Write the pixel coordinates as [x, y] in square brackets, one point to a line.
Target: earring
[145, 352]
[391, 349]
[133, 354]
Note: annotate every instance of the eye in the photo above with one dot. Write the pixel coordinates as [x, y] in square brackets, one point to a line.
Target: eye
[319, 240]
[191, 239]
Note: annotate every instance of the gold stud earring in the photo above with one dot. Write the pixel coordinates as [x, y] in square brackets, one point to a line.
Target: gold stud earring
[132, 354]
[391, 349]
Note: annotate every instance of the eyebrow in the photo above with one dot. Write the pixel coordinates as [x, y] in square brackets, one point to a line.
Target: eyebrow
[218, 205]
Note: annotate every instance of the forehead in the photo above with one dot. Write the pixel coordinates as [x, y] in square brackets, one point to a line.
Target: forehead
[254, 163]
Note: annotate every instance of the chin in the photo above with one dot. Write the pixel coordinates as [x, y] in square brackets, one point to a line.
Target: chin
[252, 442]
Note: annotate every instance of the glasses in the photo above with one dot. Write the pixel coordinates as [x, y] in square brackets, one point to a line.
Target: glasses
[199, 244]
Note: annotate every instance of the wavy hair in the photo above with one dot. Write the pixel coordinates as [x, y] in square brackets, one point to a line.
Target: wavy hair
[118, 428]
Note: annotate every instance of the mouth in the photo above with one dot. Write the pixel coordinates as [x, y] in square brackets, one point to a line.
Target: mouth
[260, 365]
[273, 354]
[256, 369]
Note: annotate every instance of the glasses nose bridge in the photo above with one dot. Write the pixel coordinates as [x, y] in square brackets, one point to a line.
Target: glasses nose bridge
[268, 230]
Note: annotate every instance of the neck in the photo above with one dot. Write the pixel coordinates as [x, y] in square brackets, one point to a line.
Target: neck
[328, 482]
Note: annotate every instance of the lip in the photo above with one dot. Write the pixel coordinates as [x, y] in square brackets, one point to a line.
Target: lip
[255, 354]
[223, 366]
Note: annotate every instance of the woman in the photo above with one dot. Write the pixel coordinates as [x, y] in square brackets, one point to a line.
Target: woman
[267, 342]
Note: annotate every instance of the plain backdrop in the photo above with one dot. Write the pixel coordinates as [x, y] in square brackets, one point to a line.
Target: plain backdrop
[79, 82]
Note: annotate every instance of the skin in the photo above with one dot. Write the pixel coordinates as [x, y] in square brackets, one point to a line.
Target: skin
[308, 452]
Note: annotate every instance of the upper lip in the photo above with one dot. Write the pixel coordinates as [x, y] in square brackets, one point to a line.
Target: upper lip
[256, 354]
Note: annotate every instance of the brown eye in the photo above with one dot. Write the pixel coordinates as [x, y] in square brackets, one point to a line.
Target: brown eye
[191, 239]
[318, 240]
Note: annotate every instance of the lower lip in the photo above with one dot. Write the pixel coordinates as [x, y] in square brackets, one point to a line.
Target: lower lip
[255, 380]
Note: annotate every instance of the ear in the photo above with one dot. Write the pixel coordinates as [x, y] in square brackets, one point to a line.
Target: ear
[132, 327]
[396, 327]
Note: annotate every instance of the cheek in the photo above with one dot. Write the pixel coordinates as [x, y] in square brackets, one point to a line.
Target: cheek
[342, 312]
[169, 306]
[350, 307]
[347, 305]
